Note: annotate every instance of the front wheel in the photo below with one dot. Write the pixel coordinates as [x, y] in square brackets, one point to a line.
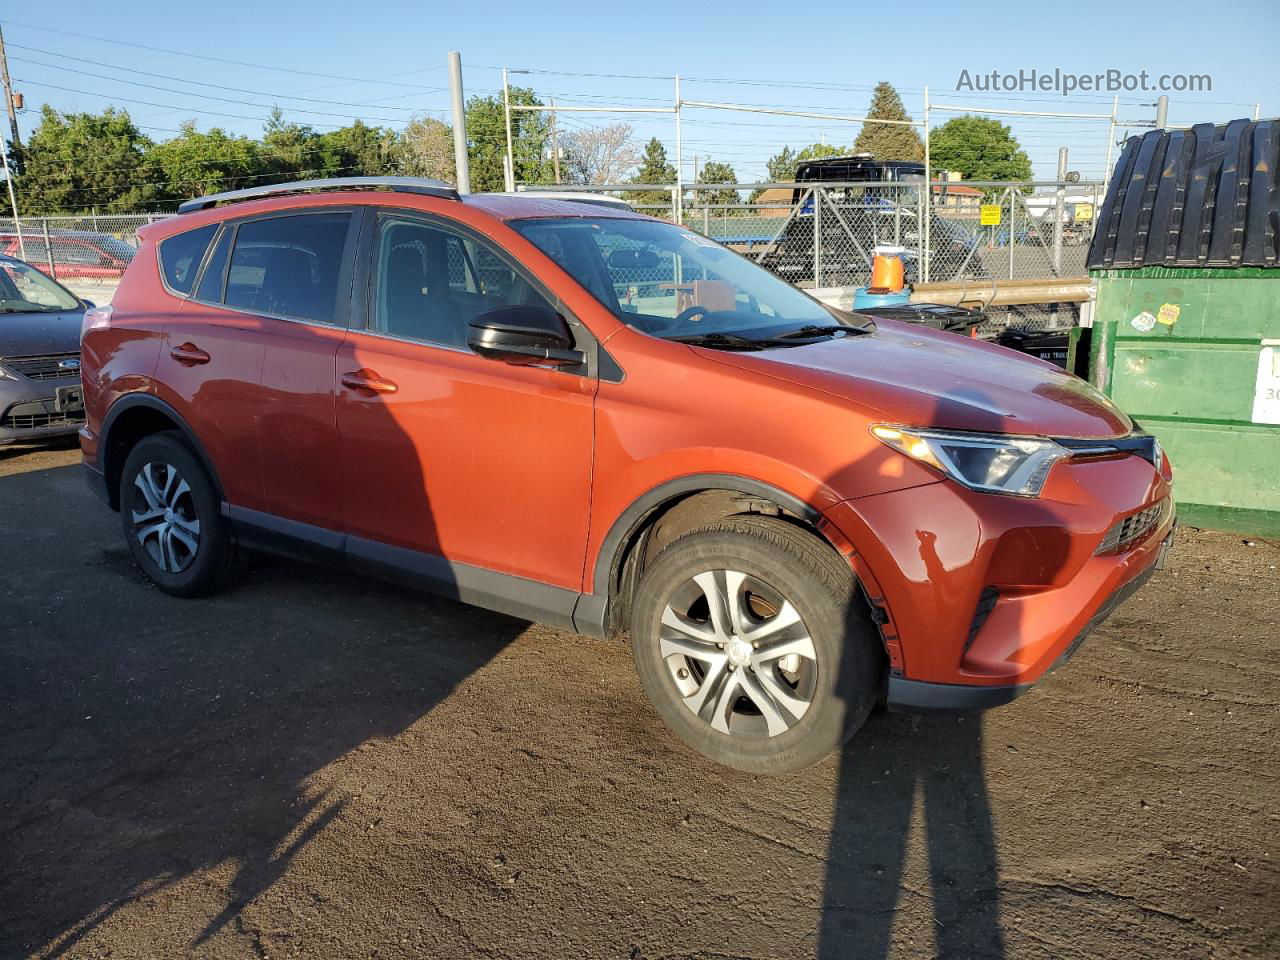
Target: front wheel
[753, 643]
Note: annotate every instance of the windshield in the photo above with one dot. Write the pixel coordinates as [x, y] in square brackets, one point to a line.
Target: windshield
[671, 282]
[24, 289]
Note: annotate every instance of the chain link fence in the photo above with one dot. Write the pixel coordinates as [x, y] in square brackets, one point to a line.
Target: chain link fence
[811, 234]
[824, 235]
[87, 254]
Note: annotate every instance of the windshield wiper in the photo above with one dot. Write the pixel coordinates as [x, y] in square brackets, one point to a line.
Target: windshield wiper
[723, 340]
[820, 330]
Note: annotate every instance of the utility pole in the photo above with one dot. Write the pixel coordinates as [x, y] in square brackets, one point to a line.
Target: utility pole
[14, 138]
[555, 143]
[510, 171]
[1162, 112]
[461, 164]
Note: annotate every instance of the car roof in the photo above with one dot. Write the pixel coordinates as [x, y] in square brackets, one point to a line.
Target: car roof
[527, 206]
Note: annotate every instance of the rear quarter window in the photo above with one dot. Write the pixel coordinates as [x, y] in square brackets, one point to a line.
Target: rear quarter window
[180, 257]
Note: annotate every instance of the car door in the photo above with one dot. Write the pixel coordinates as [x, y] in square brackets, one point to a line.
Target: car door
[210, 362]
[455, 463]
[289, 276]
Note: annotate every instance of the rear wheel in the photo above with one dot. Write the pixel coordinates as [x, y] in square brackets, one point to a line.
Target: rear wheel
[754, 645]
[172, 522]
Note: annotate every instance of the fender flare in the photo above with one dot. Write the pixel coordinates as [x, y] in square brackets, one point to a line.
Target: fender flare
[133, 401]
[633, 516]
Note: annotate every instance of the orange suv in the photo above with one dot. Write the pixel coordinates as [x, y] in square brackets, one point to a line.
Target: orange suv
[614, 425]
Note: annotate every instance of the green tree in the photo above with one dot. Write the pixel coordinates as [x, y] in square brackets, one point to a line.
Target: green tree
[888, 141]
[980, 148]
[425, 149]
[653, 168]
[487, 140]
[197, 162]
[359, 150]
[77, 161]
[292, 150]
[716, 172]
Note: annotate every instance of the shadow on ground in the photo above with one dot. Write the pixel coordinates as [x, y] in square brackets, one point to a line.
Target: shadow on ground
[151, 738]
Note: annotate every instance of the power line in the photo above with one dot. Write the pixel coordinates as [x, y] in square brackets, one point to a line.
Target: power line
[209, 96]
[237, 63]
[181, 109]
[198, 83]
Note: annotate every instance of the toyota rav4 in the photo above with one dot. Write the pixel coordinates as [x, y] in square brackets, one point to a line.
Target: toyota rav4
[607, 423]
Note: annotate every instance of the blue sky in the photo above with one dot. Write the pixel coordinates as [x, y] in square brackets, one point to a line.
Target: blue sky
[385, 61]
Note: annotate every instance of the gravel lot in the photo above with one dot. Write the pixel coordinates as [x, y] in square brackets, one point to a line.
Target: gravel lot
[320, 765]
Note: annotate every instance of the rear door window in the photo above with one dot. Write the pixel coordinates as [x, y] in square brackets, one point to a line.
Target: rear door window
[288, 266]
[180, 257]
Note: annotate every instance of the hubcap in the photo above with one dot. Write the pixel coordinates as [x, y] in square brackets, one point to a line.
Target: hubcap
[739, 654]
[164, 517]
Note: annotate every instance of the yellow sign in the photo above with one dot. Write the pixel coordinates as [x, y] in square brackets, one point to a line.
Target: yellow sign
[989, 215]
[1084, 211]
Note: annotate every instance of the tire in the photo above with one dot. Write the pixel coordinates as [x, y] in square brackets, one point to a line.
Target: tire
[172, 521]
[812, 705]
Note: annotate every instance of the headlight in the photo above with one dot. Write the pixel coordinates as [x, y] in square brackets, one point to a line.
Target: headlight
[5, 374]
[993, 462]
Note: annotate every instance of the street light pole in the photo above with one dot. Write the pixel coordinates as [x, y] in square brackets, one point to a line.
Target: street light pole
[510, 172]
[461, 163]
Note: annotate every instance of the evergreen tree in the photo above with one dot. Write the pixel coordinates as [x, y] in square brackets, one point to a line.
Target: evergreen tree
[654, 168]
[889, 141]
[715, 172]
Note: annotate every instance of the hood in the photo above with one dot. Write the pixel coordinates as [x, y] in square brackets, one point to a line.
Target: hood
[38, 334]
[914, 376]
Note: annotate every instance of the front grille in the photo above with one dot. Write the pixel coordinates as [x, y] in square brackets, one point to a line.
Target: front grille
[34, 414]
[32, 421]
[1125, 533]
[43, 368]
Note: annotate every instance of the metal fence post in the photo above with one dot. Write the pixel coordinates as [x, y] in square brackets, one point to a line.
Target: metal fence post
[48, 248]
[817, 237]
[1012, 231]
[1059, 211]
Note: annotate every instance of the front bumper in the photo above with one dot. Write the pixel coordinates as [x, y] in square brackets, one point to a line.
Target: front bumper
[980, 594]
[29, 410]
[916, 695]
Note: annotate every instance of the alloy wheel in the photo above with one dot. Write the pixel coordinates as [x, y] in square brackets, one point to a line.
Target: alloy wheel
[164, 516]
[739, 654]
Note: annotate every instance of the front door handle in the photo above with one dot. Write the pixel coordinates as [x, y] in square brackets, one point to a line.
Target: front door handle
[368, 380]
[189, 354]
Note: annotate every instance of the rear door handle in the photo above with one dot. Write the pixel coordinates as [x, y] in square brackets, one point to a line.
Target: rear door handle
[368, 380]
[189, 353]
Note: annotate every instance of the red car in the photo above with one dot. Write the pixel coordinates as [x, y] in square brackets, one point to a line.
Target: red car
[614, 425]
[77, 254]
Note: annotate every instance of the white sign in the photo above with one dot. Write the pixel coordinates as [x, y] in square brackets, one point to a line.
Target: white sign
[1266, 395]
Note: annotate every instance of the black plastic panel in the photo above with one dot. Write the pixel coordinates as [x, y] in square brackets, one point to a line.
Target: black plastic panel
[1204, 197]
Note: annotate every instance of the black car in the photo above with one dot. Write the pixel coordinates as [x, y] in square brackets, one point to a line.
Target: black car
[876, 202]
[40, 394]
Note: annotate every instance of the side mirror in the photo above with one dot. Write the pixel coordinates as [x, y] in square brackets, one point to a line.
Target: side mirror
[88, 304]
[525, 335]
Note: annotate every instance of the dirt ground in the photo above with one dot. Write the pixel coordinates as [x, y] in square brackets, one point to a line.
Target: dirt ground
[319, 765]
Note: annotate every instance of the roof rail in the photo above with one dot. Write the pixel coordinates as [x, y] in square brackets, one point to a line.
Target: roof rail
[420, 185]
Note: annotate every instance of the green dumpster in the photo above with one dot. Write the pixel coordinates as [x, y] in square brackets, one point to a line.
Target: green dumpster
[1186, 328]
